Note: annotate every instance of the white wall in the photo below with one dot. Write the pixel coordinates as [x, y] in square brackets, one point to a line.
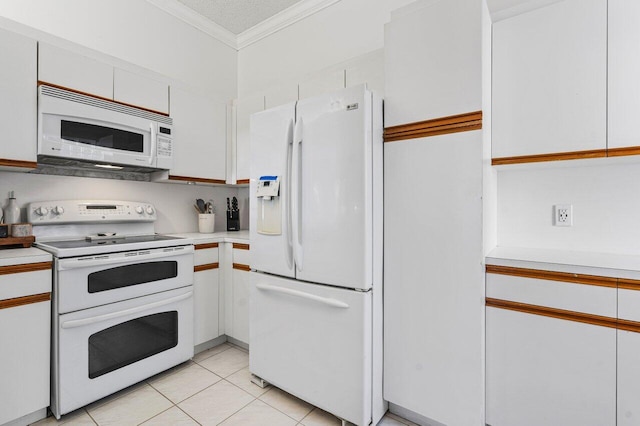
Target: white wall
[338, 33]
[605, 194]
[174, 202]
[137, 32]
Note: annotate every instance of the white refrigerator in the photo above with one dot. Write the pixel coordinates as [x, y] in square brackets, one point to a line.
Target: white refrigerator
[316, 251]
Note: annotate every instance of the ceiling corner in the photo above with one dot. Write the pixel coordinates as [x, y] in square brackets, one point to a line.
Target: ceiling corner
[182, 12]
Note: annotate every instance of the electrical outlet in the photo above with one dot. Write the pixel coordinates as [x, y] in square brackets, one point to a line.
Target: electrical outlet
[563, 215]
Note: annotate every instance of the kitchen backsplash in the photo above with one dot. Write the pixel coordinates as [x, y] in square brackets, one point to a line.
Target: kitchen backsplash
[174, 202]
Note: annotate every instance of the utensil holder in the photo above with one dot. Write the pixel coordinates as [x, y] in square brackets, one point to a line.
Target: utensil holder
[206, 222]
[233, 220]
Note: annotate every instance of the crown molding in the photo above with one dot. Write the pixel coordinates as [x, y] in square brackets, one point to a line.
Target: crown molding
[180, 11]
[281, 20]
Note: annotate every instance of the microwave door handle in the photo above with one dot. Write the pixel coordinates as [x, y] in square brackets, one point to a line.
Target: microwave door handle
[124, 312]
[152, 151]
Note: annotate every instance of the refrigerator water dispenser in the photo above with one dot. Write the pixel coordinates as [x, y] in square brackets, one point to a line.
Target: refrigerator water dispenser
[269, 206]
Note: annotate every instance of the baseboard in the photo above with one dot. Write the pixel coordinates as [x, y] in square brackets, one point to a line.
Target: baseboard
[210, 344]
[238, 342]
[29, 418]
[411, 416]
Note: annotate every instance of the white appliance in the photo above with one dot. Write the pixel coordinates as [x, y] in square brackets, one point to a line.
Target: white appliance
[122, 303]
[79, 127]
[316, 248]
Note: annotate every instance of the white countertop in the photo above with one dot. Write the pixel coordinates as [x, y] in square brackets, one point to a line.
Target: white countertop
[217, 237]
[577, 262]
[18, 256]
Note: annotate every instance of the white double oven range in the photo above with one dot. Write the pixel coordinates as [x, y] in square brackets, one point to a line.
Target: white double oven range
[122, 297]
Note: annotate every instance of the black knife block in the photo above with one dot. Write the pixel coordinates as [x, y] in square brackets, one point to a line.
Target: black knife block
[233, 220]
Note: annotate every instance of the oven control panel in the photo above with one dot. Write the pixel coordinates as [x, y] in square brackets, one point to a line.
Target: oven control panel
[89, 211]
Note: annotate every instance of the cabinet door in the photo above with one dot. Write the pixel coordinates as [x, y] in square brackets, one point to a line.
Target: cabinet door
[624, 69]
[244, 108]
[628, 378]
[240, 308]
[324, 82]
[547, 371]
[368, 69]
[24, 360]
[206, 297]
[74, 71]
[549, 80]
[199, 135]
[433, 271]
[136, 90]
[433, 59]
[18, 109]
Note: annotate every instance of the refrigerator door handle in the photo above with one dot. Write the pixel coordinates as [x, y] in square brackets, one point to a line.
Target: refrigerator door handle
[296, 210]
[297, 293]
[288, 192]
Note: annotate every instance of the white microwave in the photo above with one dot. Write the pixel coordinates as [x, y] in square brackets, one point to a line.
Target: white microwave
[78, 127]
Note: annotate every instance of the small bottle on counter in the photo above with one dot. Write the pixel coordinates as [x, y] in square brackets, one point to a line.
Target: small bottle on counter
[12, 210]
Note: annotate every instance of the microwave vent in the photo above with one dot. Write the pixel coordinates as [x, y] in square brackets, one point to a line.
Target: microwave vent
[104, 104]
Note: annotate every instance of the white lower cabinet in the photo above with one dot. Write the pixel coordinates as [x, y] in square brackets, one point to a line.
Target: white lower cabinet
[548, 371]
[206, 289]
[628, 378]
[25, 330]
[239, 308]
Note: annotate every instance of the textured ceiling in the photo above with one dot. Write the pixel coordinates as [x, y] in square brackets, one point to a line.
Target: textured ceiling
[238, 15]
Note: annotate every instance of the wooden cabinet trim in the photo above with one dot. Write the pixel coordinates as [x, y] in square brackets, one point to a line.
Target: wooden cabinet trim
[205, 246]
[627, 325]
[552, 312]
[25, 267]
[241, 267]
[206, 267]
[242, 181]
[241, 246]
[438, 126]
[24, 300]
[197, 180]
[554, 276]
[555, 156]
[57, 86]
[629, 284]
[5, 162]
[619, 152]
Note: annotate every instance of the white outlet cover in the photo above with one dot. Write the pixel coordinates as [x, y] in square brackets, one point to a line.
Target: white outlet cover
[563, 215]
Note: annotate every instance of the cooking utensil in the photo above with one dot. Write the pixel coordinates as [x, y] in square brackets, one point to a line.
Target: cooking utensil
[209, 207]
[228, 205]
[197, 209]
[201, 206]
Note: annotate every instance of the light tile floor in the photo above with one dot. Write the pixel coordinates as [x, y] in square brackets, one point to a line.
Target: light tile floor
[214, 388]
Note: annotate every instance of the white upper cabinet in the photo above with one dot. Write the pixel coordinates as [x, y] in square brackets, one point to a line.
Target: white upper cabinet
[74, 71]
[134, 89]
[199, 125]
[624, 69]
[321, 83]
[367, 69]
[18, 109]
[430, 64]
[550, 80]
[244, 108]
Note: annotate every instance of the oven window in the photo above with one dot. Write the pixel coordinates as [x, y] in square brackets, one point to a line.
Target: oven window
[128, 275]
[105, 137]
[131, 341]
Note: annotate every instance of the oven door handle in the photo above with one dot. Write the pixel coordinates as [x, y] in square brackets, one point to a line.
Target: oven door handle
[66, 264]
[125, 312]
